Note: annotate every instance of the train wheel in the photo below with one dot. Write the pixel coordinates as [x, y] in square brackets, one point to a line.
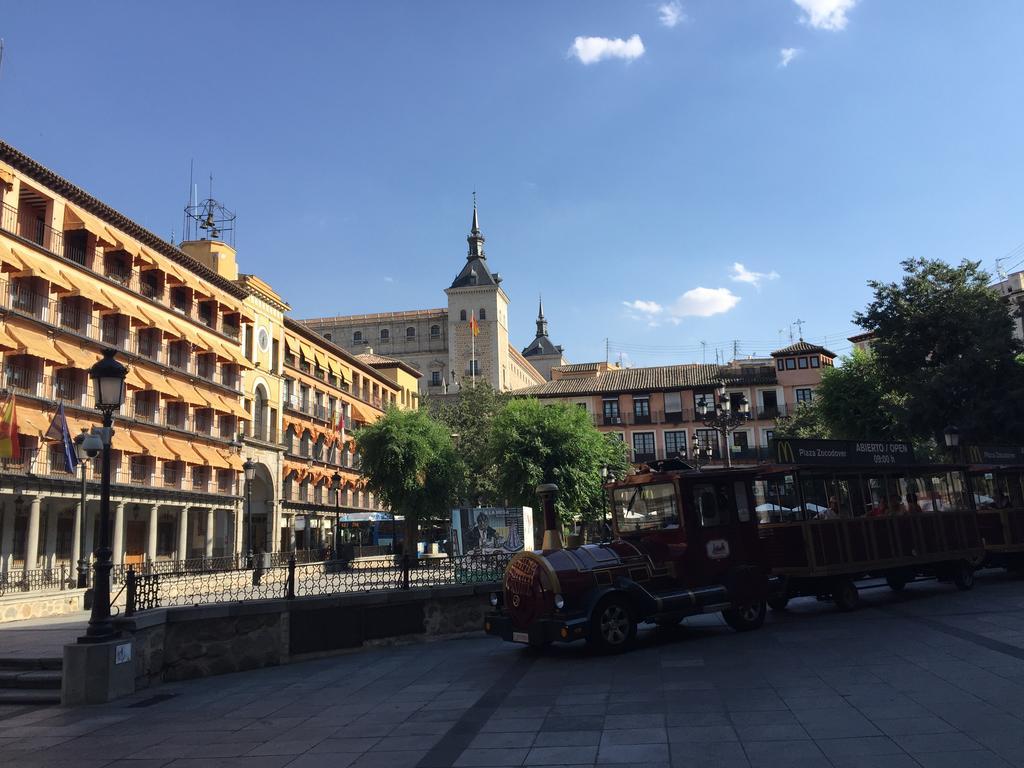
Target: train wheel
[778, 602]
[845, 595]
[897, 580]
[963, 575]
[612, 625]
[746, 617]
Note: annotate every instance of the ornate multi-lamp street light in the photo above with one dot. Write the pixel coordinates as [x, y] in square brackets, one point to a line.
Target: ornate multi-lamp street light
[724, 419]
[108, 377]
[336, 487]
[701, 452]
[249, 469]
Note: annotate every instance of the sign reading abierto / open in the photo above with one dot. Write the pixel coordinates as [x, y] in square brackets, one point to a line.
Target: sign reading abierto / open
[841, 452]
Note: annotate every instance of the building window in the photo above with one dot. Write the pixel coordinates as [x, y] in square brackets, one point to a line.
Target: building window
[611, 409]
[802, 362]
[435, 378]
[474, 368]
[815, 361]
[483, 313]
[435, 332]
[704, 400]
[769, 435]
[643, 446]
[327, 336]
[708, 437]
[790, 364]
[357, 337]
[462, 315]
[740, 441]
[642, 409]
[804, 395]
[780, 364]
[385, 335]
[675, 444]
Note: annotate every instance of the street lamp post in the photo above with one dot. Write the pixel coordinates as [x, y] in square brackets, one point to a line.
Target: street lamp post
[249, 468]
[952, 437]
[337, 511]
[108, 377]
[723, 419]
[701, 452]
[87, 446]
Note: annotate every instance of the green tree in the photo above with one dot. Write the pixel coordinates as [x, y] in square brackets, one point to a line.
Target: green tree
[470, 415]
[945, 345]
[853, 402]
[411, 465]
[805, 422]
[558, 443]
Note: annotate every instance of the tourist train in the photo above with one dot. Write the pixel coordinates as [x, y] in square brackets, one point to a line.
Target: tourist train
[818, 520]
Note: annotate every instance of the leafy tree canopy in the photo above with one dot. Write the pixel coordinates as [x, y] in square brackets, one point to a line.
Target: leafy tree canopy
[854, 404]
[533, 443]
[805, 422]
[945, 343]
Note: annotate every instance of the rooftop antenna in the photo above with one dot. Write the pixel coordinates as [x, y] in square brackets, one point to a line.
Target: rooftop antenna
[1, 56]
[606, 350]
[703, 351]
[790, 333]
[800, 327]
[735, 349]
[208, 219]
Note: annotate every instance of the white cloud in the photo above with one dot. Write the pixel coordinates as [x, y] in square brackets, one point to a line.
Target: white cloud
[697, 302]
[704, 302]
[786, 55]
[671, 14]
[591, 50]
[389, 279]
[740, 274]
[825, 14]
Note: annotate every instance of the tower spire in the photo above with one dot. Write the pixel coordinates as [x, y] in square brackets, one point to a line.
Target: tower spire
[542, 324]
[476, 238]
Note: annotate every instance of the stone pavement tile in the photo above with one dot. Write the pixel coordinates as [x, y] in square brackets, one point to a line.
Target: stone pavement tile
[523, 711]
[155, 762]
[699, 718]
[629, 736]
[382, 759]
[285, 746]
[485, 758]
[870, 745]
[788, 754]
[420, 741]
[838, 729]
[694, 733]
[633, 754]
[902, 760]
[567, 739]
[561, 756]
[573, 723]
[765, 717]
[963, 759]
[816, 702]
[583, 709]
[572, 699]
[906, 726]
[936, 742]
[499, 740]
[695, 704]
[636, 708]
[643, 720]
[708, 755]
[771, 732]
[248, 761]
[754, 701]
[324, 760]
[355, 744]
[433, 716]
[521, 724]
[415, 728]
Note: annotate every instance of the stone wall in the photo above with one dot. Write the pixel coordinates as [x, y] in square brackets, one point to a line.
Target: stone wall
[35, 605]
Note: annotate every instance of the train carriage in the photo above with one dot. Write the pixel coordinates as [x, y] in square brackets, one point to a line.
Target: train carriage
[835, 512]
[996, 477]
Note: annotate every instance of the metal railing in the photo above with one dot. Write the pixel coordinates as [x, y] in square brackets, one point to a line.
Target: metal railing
[37, 580]
[294, 579]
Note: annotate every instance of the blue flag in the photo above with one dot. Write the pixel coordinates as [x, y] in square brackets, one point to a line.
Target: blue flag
[58, 432]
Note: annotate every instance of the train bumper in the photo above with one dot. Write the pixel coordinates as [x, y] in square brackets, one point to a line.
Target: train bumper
[540, 632]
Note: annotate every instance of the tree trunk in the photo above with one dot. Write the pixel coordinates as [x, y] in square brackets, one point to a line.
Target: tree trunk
[411, 535]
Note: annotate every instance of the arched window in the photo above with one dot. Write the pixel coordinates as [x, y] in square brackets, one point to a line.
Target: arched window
[357, 337]
[410, 332]
[385, 334]
[435, 331]
[462, 315]
[304, 443]
[259, 415]
[483, 313]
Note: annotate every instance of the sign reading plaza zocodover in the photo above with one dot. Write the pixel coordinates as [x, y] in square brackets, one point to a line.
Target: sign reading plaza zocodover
[1005, 455]
[841, 452]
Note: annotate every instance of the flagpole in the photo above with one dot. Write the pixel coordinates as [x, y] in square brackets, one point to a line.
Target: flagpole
[472, 341]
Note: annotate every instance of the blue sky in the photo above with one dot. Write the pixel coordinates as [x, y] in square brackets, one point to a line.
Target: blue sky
[610, 170]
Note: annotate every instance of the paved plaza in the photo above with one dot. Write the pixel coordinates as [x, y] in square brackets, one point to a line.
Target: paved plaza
[932, 678]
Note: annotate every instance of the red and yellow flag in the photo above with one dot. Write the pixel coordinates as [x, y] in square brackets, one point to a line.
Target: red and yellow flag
[474, 326]
[9, 447]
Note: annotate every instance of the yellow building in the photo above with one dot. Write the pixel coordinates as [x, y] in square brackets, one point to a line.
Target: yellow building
[217, 374]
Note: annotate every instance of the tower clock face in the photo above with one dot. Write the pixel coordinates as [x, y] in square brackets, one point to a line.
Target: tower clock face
[263, 339]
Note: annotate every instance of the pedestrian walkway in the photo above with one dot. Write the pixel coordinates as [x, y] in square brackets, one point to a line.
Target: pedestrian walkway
[41, 638]
[925, 679]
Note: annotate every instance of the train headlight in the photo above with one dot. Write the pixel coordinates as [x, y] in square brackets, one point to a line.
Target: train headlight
[559, 602]
[494, 599]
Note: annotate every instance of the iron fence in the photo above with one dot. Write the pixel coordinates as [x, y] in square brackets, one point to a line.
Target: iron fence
[331, 577]
[62, 577]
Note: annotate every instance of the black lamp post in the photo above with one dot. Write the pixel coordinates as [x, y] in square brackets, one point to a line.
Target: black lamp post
[724, 419]
[701, 453]
[108, 377]
[87, 446]
[249, 468]
[952, 436]
[337, 510]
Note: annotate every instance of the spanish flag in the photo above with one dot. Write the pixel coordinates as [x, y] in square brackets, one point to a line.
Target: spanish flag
[474, 326]
[9, 447]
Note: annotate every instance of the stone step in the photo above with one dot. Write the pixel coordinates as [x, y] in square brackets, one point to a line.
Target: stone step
[22, 696]
[38, 679]
[24, 664]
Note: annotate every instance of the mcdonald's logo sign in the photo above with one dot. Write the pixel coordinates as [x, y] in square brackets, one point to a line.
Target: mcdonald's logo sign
[784, 452]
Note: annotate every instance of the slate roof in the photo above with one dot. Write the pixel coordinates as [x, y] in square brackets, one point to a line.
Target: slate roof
[802, 347]
[541, 346]
[477, 267]
[655, 379]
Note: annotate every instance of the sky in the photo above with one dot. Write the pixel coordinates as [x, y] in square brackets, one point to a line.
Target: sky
[678, 179]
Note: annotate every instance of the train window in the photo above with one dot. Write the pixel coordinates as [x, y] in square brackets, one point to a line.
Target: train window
[713, 504]
[739, 492]
[775, 499]
[646, 507]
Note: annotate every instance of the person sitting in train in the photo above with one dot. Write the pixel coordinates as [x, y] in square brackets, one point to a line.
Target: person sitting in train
[831, 512]
[1002, 500]
[882, 510]
[913, 507]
